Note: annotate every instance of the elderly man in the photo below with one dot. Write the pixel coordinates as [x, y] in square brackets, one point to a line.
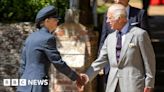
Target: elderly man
[136, 17]
[129, 55]
[40, 51]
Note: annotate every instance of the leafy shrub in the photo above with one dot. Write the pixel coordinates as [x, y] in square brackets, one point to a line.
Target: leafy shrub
[25, 10]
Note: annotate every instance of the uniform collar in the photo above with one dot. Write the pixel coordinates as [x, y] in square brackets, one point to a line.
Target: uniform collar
[45, 29]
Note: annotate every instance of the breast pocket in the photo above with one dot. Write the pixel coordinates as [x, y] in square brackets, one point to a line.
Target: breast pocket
[132, 49]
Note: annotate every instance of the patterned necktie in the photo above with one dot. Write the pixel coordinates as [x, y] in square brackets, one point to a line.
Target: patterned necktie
[119, 45]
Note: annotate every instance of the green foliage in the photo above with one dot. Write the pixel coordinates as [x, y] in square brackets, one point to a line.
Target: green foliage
[26, 10]
[102, 9]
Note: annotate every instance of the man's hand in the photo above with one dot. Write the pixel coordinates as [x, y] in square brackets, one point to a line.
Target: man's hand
[148, 89]
[81, 81]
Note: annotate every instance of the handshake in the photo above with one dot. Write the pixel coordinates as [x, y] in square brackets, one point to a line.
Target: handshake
[81, 81]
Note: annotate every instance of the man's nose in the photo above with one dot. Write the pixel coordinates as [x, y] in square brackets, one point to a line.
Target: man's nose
[107, 21]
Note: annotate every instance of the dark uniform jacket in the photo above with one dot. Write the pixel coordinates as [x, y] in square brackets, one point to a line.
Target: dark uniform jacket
[38, 53]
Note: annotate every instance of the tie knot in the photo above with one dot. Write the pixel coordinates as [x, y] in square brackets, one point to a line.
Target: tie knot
[119, 33]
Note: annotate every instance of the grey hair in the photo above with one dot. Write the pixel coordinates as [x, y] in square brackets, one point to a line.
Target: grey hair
[119, 13]
[117, 10]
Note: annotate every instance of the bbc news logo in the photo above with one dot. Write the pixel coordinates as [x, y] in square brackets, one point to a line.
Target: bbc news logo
[24, 82]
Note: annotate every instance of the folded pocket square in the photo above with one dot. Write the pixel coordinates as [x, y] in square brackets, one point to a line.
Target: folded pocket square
[131, 45]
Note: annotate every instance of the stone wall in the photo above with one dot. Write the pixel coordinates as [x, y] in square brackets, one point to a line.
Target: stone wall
[11, 38]
[78, 51]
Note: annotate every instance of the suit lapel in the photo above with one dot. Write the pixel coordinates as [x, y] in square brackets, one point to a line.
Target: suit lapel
[128, 39]
[112, 47]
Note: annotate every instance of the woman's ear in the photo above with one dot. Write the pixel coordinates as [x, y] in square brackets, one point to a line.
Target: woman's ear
[46, 20]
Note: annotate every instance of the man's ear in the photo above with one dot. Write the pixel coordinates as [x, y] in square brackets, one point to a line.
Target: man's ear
[122, 19]
[125, 19]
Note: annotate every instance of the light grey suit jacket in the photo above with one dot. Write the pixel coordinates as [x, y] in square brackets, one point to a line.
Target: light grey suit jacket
[136, 67]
